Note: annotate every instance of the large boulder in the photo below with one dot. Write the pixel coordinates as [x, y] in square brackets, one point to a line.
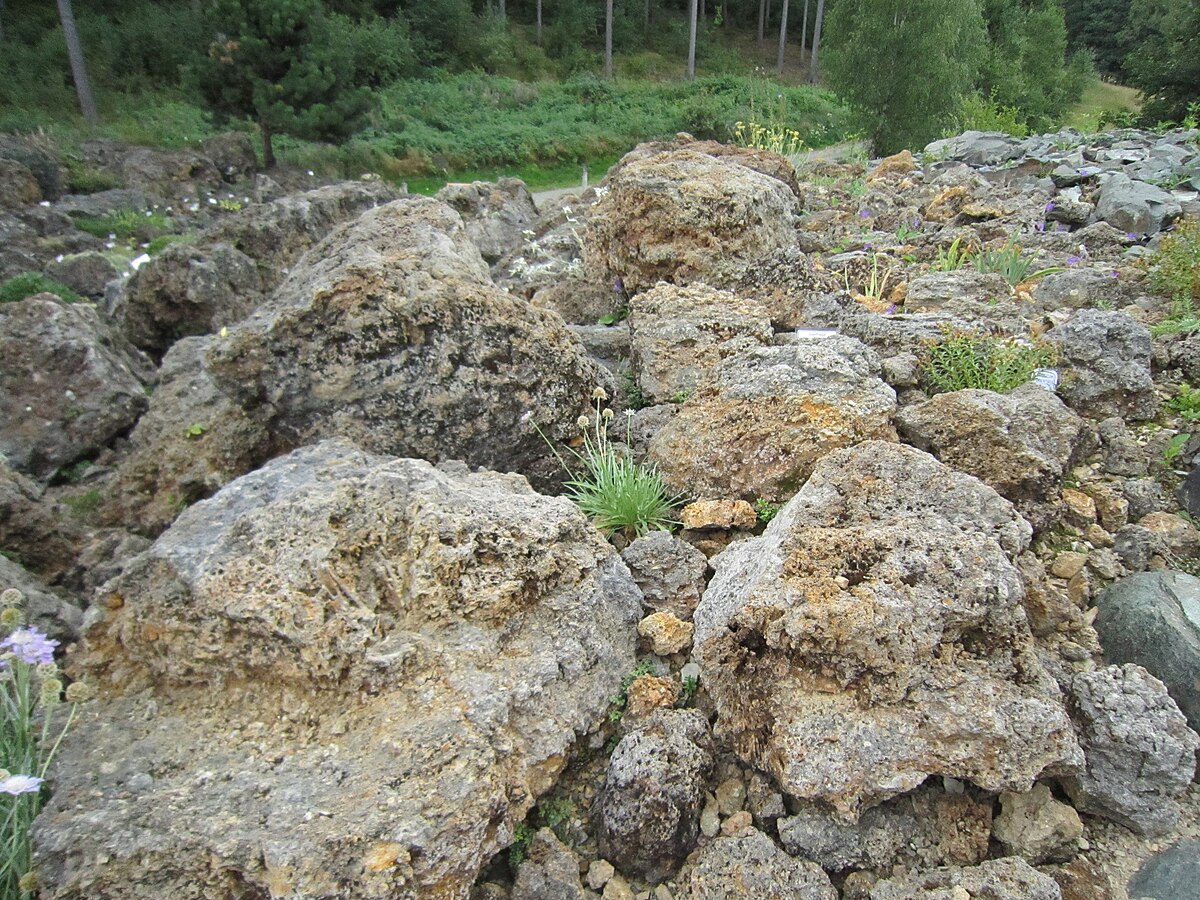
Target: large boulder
[1134, 206]
[1153, 619]
[684, 215]
[32, 532]
[44, 610]
[343, 675]
[1021, 444]
[191, 441]
[749, 864]
[497, 215]
[766, 416]
[391, 332]
[1105, 356]
[647, 817]
[1140, 753]
[679, 335]
[18, 187]
[69, 384]
[200, 286]
[874, 636]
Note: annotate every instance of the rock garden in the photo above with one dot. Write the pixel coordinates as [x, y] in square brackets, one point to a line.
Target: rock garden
[723, 530]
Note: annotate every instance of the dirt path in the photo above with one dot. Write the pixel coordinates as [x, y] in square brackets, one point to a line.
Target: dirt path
[832, 153]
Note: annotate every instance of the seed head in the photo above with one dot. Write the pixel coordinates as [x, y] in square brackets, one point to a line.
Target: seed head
[599, 394]
[10, 617]
[11, 597]
[582, 422]
[79, 692]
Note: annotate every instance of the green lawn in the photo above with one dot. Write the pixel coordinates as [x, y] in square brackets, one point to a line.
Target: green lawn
[1101, 97]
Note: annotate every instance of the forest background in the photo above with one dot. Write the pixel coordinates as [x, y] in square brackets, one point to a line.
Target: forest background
[436, 89]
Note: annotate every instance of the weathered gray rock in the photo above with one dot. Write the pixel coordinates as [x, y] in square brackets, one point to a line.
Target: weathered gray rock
[977, 148]
[495, 214]
[1134, 206]
[1140, 753]
[686, 215]
[236, 264]
[167, 173]
[766, 416]
[669, 571]
[232, 154]
[18, 187]
[1120, 453]
[1153, 619]
[1172, 874]
[874, 635]
[1080, 288]
[1106, 361]
[1136, 546]
[549, 872]
[926, 828]
[87, 273]
[1038, 828]
[749, 864]
[69, 384]
[935, 291]
[391, 333]
[44, 610]
[191, 441]
[31, 530]
[434, 641]
[1010, 878]
[1020, 443]
[679, 336]
[647, 817]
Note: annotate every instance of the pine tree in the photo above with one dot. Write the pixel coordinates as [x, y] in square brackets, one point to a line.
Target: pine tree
[273, 61]
[1165, 62]
[906, 63]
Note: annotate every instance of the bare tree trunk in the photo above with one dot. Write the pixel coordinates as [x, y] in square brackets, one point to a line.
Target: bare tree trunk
[782, 37]
[693, 6]
[804, 32]
[539, 23]
[816, 44]
[268, 147]
[78, 70]
[762, 10]
[608, 23]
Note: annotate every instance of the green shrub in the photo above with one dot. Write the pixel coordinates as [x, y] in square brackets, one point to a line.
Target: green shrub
[29, 283]
[980, 113]
[1186, 403]
[1175, 265]
[963, 359]
[1182, 319]
[618, 703]
[125, 224]
[952, 258]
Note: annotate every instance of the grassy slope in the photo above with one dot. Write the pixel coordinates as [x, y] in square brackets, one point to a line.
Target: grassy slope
[1098, 98]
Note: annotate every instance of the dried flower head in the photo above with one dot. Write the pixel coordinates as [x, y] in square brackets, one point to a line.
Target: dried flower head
[583, 422]
[11, 597]
[79, 692]
[11, 617]
[599, 394]
[608, 414]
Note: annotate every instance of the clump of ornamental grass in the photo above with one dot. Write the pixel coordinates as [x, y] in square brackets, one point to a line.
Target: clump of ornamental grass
[615, 492]
[31, 697]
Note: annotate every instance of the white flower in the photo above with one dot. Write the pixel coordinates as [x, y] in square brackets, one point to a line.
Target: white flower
[20, 784]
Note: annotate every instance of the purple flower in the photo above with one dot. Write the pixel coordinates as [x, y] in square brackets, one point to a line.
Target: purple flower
[864, 214]
[1114, 274]
[30, 646]
[20, 784]
[618, 285]
[1133, 236]
[890, 310]
[1040, 226]
[1050, 206]
[1074, 260]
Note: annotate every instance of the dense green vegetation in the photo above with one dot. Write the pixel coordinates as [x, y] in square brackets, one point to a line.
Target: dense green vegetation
[414, 90]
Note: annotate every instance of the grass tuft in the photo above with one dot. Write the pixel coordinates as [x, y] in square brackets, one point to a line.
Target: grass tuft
[963, 359]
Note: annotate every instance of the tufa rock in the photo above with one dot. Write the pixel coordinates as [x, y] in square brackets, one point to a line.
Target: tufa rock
[434, 641]
[669, 571]
[666, 633]
[549, 872]
[749, 864]
[1037, 827]
[874, 635]
[1010, 878]
[496, 215]
[1105, 357]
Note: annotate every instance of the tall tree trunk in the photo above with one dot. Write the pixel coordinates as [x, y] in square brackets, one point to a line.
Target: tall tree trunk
[816, 44]
[703, 11]
[693, 6]
[503, 11]
[608, 17]
[782, 37]
[804, 32]
[268, 148]
[539, 23]
[762, 19]
[78, 70]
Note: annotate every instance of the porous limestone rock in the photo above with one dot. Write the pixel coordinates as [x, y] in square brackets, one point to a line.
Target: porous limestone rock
[343, 675]
[69, 384]
[549, 872]
[1140, 752]
[874, 635]
[200, 286]
[928, 827]
[42, 609]
[1105, 362]
[666, 633]
[749, 864]
[1010, 878]
[31, 530]
[679, 335]
[1135, 206]
[766, 416]
[669, 571]
[684, 215]
[647, 817]
[1037, 827]
[496, 215]
[1020, 443]
[391, 333]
